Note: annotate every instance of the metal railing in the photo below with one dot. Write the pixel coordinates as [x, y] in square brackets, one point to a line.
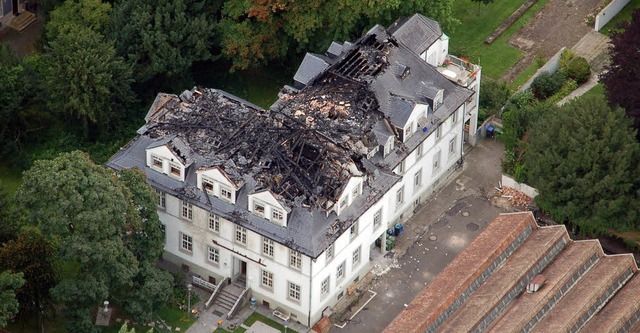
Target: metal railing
[215, 293]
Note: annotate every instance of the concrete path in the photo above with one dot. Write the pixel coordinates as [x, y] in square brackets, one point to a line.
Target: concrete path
[593, 80]
[433, 237]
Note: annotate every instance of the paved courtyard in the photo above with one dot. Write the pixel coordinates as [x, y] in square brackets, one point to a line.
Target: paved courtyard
[444, 226]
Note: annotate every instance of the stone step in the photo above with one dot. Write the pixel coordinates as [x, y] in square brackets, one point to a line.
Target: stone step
[22, 21]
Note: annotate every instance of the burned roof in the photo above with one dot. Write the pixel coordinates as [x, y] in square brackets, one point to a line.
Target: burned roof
[307, 146]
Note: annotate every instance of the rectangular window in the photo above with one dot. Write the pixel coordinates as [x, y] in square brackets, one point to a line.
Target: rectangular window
[277, 215]
[175, 169]
[401, 167]
[356, 257]
[417, 179]
[355, 192]
[225, 193]
[343, 203]
[214, 222]
[324, 286]
[241, 235]
[207, 185]
[186, 210]
[438, 132]
[156, 162]
[436, 162]
[419, 151]
[329, 252]
[267, 279]
[407, 131]
[454, 118]
[340, 271]
[258, 209]
[294, 291]
[187, 242]
[163, 229]
[353, 231]
[295, 259]
[377, 218]
[452, 146]
[162, 199]
[214, 255]
[400, 195]
[267, 247]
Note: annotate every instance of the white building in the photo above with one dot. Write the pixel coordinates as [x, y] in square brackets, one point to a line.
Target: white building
[291, 200]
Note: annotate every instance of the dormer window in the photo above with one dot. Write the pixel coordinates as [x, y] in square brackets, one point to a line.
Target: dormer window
[207, 185]
[175, 169]
[277, 215]
[225, 193]
[343, 203]
[156, 162]
[258, 209]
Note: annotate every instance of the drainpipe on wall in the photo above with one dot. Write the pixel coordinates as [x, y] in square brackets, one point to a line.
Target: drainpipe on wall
[310, 290]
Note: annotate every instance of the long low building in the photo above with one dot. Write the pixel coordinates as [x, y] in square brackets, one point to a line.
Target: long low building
[519, 277]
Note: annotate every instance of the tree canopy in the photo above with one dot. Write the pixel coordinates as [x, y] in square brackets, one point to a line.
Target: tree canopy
[97, 222]
[622, 80]
[583, 159]
[9, 282]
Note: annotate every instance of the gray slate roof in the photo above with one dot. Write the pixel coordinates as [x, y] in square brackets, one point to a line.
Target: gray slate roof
[311, 66]
[416, 32]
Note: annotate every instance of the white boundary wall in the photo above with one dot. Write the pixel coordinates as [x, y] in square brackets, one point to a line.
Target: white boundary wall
[551, 67]
[524, 188]
[609, 12]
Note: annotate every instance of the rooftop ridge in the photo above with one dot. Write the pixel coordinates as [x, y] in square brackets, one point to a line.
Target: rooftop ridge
[568, 267]
[622, 311]
[588, 295]
[465, 273]
[509, 280]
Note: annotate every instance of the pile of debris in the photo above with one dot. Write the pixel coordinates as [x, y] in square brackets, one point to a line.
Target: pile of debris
[516, 197]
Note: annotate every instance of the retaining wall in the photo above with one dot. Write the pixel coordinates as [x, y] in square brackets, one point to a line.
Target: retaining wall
[524, 188]
[609, 12]
[551, 66]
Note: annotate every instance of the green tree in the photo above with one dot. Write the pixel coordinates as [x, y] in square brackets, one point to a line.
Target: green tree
[162, 36]
[254, 32]
[97, 221]
[9, 282]
[583, 160]
[84, 78]
[74, 15]
[32, 255]
[9, 224]
[14, 90]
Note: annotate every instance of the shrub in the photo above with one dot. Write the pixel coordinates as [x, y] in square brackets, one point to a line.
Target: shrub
[568, 86]
[578, 69]
[547, 84]
[493, 96]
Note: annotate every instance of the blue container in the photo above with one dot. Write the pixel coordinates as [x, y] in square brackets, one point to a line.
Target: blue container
[390, 232]
[398, 229]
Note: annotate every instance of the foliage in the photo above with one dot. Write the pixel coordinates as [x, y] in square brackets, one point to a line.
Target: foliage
[8, 218]
[74, 15]
[254, 32]
[493, 96]
[520, 112]
[163, 36]
[568, 86]
[547, 84]
[96, 221]
[584, 162]
[486, 2]
[578, 70]
[14, 89]
[86, 79]
[621, 80]
[9, 282]
[32, 255]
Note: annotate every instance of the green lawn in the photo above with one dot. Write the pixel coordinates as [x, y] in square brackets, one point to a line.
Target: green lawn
[597, 90]
[468, 38]
[523, 77]
[623, 16]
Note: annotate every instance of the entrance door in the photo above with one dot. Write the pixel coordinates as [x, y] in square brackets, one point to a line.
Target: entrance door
[244, 268]
[6, 7]
[15, 7]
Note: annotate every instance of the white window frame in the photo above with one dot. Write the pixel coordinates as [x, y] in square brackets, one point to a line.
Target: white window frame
[241, 235]
[257, 206]
[401, 167]
[226, 193]
[355, 193]
[163, 229]
[207, 182]
[295, 259]
[452, 146]
[186, 243]
[355, 257]
[294, 291]
[158, 159]
[325, 286]
[419, 151]
[172, 166]
[353, 231]
[377, 218]
[454, 118]
[266, 279]
[438, 132]
[277, 215]
[417, 179]
[213, 255]
[340, 271]
[162, 199]
[214, 223]
[400, 195]
[267, 247]
[186, 210]
[330, 252]
[436, 163]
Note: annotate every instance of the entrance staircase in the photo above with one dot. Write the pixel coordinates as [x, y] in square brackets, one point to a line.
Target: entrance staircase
[229, 295]
[22, 21]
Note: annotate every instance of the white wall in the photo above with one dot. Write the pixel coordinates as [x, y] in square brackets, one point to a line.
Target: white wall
[609, 12]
